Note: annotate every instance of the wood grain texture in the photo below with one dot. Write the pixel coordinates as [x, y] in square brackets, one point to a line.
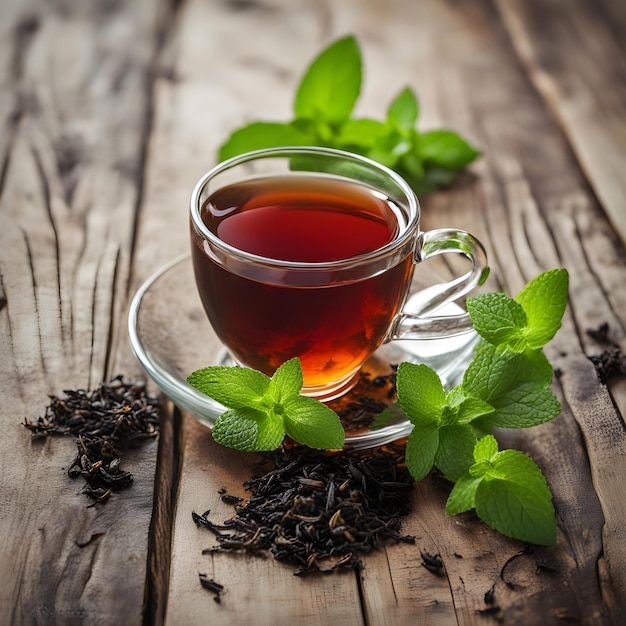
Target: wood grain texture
[74, 101]
[575, 59]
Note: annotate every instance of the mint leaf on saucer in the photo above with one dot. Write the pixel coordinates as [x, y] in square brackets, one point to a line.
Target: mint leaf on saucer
[309, 421]
[234, 387]
[238, 429]
[263, 409]
[286, 381]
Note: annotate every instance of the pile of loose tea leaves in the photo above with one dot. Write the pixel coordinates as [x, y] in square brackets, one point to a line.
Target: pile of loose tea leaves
[319, 511]
[106, 422]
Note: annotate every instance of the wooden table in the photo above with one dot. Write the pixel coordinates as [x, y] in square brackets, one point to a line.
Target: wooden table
[110, 111]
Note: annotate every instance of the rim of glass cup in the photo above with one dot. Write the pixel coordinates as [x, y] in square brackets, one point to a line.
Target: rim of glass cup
[408, 233]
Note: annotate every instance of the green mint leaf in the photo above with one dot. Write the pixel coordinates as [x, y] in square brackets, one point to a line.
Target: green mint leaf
[463, 495]
[234, 387]
[455, 450]
[403, 111]
[313, 424]
[509, 493]
[534, 367]
[446, 149]
[263, 409]
[471, 408]
[411, 167]
[420, 393]
[544, 300]
[455, 397]
[494, 371]
[390, 148]
[359, 135]
[260, 135]
[499, 319]
[271, 432]
[324, 101]
[238, 429]
[528, 404]
[515, 500]
[332, 83]
[421, 448]
[287, 381]
[491, 373]
[485, 449]
[462, 409]
[514, 385]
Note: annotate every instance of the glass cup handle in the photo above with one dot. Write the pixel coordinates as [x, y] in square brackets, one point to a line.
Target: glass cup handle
[414, 322]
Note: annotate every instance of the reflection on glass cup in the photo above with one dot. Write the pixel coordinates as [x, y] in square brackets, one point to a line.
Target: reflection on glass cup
[310, 252]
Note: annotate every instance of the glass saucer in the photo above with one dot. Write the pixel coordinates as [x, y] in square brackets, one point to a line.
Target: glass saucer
[171, 337]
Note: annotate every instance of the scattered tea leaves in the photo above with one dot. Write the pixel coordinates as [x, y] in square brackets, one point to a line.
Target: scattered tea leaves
[107, 421]
[362, 405]
[610, 362]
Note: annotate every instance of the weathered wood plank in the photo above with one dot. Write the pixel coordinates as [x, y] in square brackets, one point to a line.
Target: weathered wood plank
[75, 95]
[574, 56]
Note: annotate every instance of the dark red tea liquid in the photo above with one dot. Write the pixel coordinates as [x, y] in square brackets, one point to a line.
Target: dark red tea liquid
[333, 327]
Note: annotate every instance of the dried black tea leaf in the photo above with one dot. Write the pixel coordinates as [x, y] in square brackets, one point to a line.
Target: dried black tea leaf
[211, 585]
[432, 562]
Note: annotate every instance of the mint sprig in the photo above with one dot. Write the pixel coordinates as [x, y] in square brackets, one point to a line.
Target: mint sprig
[261, 410]
[506, 386]
[323, 107]
[529, 321]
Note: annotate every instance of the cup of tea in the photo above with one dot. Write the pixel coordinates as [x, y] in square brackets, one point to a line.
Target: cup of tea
[310, 252]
